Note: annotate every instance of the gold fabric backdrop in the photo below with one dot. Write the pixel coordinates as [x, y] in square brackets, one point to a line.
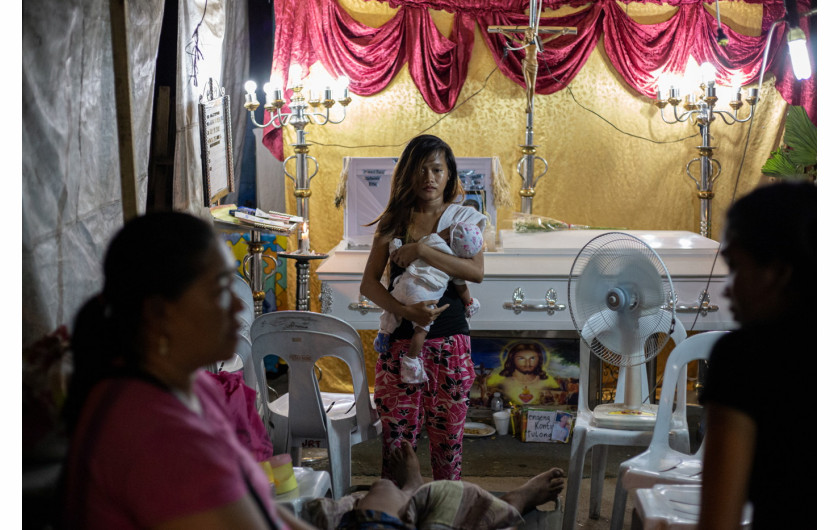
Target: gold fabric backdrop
[597, 175]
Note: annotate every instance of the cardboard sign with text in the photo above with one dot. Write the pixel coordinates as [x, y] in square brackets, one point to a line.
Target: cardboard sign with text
[544, 425]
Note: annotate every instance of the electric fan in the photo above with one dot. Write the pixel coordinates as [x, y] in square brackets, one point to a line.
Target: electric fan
[622, 301]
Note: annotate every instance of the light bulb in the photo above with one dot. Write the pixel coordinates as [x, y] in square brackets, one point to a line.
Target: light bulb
[707, 71]
[799, 53]
[295, 71]
[250, 87]
[343, 83]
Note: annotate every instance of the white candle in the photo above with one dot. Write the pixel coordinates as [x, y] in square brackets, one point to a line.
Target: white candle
[304, 240]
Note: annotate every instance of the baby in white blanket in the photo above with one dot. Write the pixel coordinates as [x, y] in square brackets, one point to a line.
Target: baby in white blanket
[421, 281]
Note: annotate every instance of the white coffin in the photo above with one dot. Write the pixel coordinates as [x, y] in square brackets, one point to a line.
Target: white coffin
[536, 266]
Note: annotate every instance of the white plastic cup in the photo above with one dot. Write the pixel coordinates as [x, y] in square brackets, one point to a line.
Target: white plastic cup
[502, 419]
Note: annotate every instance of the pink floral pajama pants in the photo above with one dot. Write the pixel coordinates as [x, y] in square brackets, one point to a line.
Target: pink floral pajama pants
[440, 404]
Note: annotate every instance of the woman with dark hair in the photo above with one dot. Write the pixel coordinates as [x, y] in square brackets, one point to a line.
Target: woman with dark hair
[151, 444]
[770, 247]
[424, 189]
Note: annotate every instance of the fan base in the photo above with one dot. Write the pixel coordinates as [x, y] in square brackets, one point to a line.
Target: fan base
[619, 416]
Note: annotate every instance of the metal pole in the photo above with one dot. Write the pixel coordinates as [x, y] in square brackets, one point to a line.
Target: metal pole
[528, 150]
[705, 192]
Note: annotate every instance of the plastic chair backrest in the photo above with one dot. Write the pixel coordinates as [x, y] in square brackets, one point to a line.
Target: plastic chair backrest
[242, 290]
[696, 347]
[301, 338]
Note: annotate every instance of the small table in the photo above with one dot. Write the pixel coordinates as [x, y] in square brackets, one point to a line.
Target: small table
[311, 485]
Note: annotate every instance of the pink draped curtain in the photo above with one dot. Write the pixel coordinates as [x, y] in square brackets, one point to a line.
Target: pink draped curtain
[311, 30]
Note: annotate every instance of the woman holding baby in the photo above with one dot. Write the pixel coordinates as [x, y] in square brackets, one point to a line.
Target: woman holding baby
[425, 192]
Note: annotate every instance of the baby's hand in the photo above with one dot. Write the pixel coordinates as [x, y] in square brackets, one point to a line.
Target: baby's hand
[472, 308]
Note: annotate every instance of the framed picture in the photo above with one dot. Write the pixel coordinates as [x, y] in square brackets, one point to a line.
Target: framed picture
[526, 371]
[369, 186]
[476, 200]
[562, 427]
[216, 147]
[477, 180]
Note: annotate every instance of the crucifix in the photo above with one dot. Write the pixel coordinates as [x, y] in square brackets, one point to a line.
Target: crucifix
[532, 43]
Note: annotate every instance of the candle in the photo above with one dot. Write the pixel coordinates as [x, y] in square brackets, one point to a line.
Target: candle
[675, 93]
[737, 95]
[304, 240]
[327, 93]
[710, 90]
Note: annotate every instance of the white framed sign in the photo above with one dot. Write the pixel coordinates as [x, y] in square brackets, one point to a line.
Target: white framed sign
[369, 185]
[216, 147]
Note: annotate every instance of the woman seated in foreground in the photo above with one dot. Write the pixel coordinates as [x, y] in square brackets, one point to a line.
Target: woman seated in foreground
[151, 443]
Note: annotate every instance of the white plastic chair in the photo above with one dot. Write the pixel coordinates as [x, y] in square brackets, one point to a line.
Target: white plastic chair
[241, 359]
[660, 464]
[588, 435]
[677, 506]
[337, 420]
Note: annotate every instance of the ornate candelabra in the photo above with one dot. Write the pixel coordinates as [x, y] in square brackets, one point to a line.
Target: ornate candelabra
[301, 113]
[700, 108]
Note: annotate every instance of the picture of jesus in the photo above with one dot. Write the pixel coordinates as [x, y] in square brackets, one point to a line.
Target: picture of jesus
[522, 377]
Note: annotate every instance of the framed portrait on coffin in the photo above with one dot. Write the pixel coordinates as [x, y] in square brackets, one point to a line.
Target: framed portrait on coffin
[368, 187]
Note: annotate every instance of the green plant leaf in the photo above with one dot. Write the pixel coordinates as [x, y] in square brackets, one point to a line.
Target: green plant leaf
[801, 137]
[780, 165]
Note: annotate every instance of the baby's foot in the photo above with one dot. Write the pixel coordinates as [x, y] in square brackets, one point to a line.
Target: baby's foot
[412, 370]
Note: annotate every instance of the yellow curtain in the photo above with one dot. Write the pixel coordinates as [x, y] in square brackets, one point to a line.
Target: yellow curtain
[611, 159]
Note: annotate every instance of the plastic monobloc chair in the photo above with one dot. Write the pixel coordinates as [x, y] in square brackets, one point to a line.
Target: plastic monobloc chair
[661, 464]
[304, 414]
[587, 434]
[241, 359]
[675, 506]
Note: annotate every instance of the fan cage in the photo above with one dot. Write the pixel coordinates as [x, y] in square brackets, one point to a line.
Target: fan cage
[610, 252]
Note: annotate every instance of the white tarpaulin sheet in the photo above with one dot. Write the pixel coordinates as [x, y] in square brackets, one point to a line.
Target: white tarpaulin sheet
[70, 184]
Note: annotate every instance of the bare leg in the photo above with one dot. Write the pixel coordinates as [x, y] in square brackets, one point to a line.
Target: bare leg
[543, 488]
[417, 341]
[384, 495]
[406, 467]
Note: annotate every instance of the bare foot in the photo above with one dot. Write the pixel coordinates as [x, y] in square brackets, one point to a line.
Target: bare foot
[543, 488]
[406, 467]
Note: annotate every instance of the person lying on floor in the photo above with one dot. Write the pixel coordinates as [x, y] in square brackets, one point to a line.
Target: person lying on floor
[410, 503]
